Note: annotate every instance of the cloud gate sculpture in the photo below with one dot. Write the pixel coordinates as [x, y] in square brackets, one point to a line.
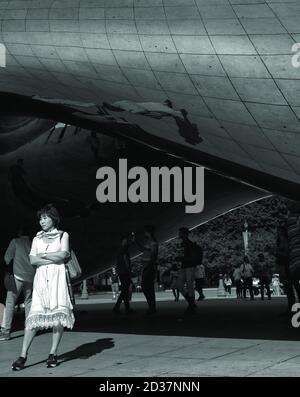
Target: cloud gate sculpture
[214, 83]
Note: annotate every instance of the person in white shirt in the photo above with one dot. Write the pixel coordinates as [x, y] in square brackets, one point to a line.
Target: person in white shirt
[114, 282]
[227, 285]
[18, 253]
[276, 286]
[51, 300]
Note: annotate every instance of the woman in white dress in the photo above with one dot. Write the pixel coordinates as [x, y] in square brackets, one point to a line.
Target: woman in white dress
[51, 305]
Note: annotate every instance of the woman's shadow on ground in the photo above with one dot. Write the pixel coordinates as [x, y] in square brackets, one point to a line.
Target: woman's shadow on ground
[87, 350]
[84, 351]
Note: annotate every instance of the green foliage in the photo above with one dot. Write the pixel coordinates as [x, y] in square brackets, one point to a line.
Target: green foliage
[222, 240]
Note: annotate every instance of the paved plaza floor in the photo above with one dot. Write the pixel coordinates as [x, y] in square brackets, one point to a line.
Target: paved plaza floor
[226, 337]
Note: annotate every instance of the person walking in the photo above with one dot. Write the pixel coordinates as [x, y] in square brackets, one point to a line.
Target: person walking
[51, 305]
[149, 264]
[17, 253]
[124, 274]
[247, 275]
[227, 284]
[174, 281]
[200, 280]
[190, 256]
[276, 286]
[265, 276]
[282, 264]
[237, 278]
[114, 282]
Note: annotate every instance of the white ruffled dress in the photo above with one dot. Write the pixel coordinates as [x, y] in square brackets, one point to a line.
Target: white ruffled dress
[51, 305]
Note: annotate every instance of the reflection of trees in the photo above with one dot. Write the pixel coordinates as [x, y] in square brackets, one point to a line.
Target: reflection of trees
[222, 240]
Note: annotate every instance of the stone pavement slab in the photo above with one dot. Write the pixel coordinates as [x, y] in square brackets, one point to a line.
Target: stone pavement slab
[255, 341]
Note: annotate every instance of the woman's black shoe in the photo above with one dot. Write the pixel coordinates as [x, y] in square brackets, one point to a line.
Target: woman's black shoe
[19, 364]
[52, 361]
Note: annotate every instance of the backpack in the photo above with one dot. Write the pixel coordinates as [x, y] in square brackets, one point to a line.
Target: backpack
[197, 254]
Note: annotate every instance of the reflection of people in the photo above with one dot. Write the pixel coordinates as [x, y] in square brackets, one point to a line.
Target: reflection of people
[17, 174]
[149, 263]
[94, 143]
[189, 131]
[121, 147]
[124, 273]
[51, 305]
[20, 187]
[18, 252]
[155, 110]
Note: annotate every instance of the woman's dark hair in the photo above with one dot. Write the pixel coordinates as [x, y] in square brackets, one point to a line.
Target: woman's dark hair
[51, 212]
[151, 230]
[246, 259]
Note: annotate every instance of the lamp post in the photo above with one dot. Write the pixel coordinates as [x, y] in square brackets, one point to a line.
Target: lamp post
[246, 235]
[221, 289]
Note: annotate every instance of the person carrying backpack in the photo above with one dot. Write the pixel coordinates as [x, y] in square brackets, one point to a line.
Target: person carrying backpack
[265, 276]
[247, 274]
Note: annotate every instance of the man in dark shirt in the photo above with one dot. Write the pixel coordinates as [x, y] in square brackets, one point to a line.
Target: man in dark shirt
[265, 276]
[282, 263]
[124, 273]
[22, 279]
[186, 275]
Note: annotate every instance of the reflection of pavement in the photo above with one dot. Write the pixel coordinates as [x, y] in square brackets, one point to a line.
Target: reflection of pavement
[225, 338]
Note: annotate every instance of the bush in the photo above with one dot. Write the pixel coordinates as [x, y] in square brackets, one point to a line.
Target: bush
[222, 239]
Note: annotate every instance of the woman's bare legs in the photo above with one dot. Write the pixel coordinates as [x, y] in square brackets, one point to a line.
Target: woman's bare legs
[28, 338]
[56, 338]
